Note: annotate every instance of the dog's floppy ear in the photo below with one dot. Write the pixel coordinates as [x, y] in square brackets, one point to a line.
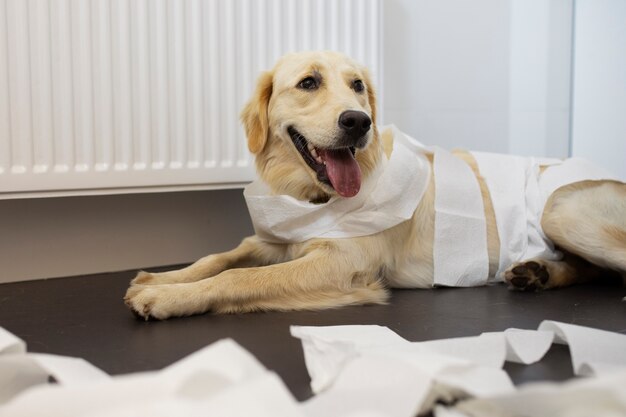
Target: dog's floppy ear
[371, 93]
[254, 114]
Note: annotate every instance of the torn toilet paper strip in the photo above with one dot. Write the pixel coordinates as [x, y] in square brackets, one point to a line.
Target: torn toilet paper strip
[364, 371]
[20, 370]
[204, 381]
[328, 349]
[339, 357]
[526, 346]
[593, 351]
[451, 368]
[9, 343]
[391, 389]
[262, 396]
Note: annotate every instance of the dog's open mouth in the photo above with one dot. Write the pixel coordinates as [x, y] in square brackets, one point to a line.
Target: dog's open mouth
[335, 167]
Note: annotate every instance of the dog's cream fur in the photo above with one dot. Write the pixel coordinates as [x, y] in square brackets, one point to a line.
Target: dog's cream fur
[586, 219]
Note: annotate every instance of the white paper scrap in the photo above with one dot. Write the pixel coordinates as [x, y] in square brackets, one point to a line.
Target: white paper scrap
[488, 349]
[476, 381]
[328, 348]
[262, 396]
[525, 346]
[9, 343]
[373, 384]
[458, 368]
[224, 357]
[67, 370]
[221, 379]
[17, 373]
[76, 400]
[593, 351]
[360, 371]
[449, 368]
[21, 371]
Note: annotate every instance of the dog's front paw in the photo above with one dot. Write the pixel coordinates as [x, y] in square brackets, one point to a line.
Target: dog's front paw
[156, 278]
[158, 301]
[143, 278]
[528, 276]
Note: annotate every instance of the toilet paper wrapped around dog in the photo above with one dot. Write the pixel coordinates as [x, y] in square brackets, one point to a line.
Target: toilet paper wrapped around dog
[382, 202]
[518, 189]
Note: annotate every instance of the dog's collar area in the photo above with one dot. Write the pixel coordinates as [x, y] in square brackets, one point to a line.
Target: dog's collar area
[382, 202]
[310, 155]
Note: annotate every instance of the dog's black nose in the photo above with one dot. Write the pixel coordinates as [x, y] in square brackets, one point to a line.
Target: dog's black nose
[354, 123]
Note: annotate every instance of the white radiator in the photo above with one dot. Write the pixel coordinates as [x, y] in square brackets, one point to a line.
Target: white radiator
[111, 96]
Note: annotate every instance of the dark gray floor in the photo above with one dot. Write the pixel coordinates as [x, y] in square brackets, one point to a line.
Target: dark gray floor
[85, 316]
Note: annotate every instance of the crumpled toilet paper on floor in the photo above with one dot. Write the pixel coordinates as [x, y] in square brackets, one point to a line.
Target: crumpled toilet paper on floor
[355, 371]
[19, 370]
[221, 379]
[328, 349]
[345, 361]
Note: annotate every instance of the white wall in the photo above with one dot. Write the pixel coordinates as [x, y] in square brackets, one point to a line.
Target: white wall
[599, 113]
[53, 237]
[539, 77]
[485, 74]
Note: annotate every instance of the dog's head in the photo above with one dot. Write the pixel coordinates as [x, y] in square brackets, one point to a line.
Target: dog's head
[311, 125]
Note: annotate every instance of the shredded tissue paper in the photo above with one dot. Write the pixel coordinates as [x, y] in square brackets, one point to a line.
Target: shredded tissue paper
[356, 371]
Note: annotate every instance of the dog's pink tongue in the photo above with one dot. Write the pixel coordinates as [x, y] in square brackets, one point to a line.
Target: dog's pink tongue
[343, 171]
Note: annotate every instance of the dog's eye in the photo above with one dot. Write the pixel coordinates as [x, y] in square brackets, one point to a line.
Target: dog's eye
[357, 85]
[309, 83]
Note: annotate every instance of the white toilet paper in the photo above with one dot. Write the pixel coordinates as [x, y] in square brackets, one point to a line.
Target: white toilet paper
[9, 343]
[593, 351]
[211, 381]
[392, 193]
[20, 370]
[460, 249]
[365, 371]
[388, 197]
[448, 369]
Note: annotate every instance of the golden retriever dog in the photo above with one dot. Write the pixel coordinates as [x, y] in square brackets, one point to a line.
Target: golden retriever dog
[317, 107]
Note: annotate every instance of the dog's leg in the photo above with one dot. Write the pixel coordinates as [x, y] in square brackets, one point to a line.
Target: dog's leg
[541, 274]
[589, 219]
[322, 278]
[251, 252]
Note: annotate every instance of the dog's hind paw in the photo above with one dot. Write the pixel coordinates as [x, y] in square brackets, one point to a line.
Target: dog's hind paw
[527, 276]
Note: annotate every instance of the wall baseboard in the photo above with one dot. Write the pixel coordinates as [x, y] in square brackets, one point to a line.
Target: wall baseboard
[59, 237]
